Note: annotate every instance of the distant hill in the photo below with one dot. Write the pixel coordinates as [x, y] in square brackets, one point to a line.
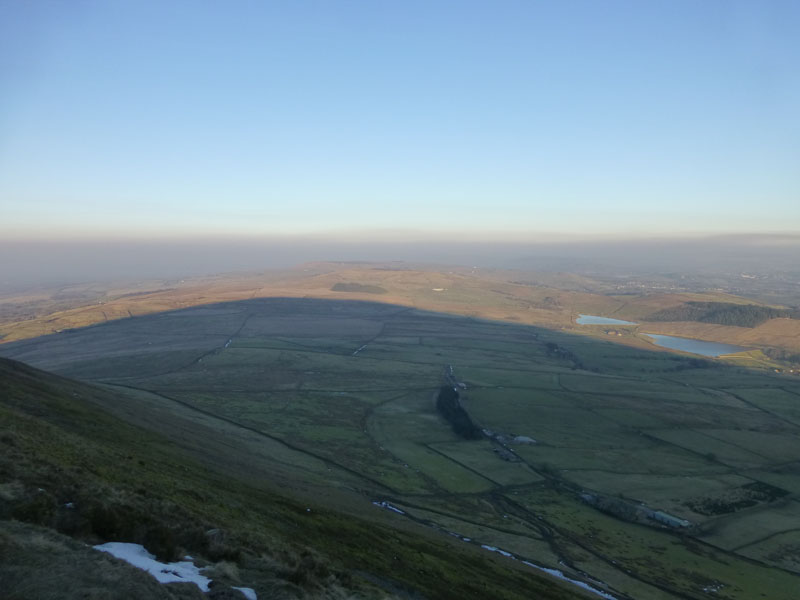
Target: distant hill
[723, 313]
[541, 299]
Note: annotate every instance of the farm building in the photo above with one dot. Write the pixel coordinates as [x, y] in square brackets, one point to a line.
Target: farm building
[668, 519]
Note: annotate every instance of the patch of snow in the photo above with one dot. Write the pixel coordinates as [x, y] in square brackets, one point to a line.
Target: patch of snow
[459, 536]
[136, 555]
[498, 550]
[249, 593]
[553, 572]
[580, 584]
[384, 504]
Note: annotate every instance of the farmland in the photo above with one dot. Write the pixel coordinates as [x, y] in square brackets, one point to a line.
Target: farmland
[533, 298]
[340, 395]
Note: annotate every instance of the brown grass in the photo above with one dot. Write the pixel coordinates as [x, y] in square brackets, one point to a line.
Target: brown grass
[492, 294]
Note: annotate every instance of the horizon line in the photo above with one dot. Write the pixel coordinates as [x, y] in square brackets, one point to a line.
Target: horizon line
[384, 236]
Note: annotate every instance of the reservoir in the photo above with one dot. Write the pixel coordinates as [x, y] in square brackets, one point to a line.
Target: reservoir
[694, 346]
[594, 320]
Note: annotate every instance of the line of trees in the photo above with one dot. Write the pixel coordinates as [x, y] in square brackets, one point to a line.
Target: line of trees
[724, 313]
[780, 354]
[448, 405]
[560, 352]
[357, 287]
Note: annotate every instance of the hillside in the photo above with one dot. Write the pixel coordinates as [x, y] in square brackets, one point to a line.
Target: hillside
[723, 313]
[334, 402]
[71, 471]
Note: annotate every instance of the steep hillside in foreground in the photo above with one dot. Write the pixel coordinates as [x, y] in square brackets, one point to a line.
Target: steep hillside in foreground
[70, 472]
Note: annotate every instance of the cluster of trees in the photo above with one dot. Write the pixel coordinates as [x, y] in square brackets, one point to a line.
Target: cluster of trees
[561, 352]
[358, 287]
[724, 313]
[448, 405]
[693, 363]
[779, 354]
[744, 497]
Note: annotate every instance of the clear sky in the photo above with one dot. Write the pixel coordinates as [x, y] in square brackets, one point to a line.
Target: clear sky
[478, 119]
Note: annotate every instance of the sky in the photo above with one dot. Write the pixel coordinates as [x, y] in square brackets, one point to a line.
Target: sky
[398, 120]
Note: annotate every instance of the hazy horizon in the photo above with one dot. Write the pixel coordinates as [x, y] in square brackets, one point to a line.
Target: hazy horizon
[31, 263]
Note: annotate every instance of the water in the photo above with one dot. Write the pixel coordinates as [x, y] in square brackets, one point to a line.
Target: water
[593, 320]
[694, 346]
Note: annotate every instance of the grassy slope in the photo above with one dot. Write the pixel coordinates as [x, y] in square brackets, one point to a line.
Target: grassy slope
[289, 362]
[73, 570]
[126, 484]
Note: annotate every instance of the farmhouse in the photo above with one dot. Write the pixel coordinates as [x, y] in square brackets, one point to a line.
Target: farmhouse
[524, 439]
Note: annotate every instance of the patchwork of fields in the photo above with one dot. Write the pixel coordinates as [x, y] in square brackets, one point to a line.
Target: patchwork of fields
[341, 394]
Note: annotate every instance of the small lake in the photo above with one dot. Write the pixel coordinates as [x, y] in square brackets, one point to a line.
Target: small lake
[694, 346]
[594, 320]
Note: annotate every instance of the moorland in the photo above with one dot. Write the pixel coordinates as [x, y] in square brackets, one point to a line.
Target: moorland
[547, 299]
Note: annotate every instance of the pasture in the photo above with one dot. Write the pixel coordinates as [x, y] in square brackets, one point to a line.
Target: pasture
[342, 395]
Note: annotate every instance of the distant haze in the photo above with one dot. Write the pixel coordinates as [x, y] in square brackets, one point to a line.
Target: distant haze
[46, 263]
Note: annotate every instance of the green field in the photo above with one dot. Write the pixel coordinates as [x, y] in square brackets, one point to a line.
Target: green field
[344, 394]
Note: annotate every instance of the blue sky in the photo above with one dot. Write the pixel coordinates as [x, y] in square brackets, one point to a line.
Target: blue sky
[501, 119]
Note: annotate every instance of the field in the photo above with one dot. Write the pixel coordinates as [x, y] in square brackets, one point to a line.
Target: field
[340, 395]
[551, 300]
[73, 475]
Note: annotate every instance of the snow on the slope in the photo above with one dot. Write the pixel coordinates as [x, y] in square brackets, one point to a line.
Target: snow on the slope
[498, 550]
[136, 555]
[581, 584]
[553, 572]
[249, 593]
[384, 504]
